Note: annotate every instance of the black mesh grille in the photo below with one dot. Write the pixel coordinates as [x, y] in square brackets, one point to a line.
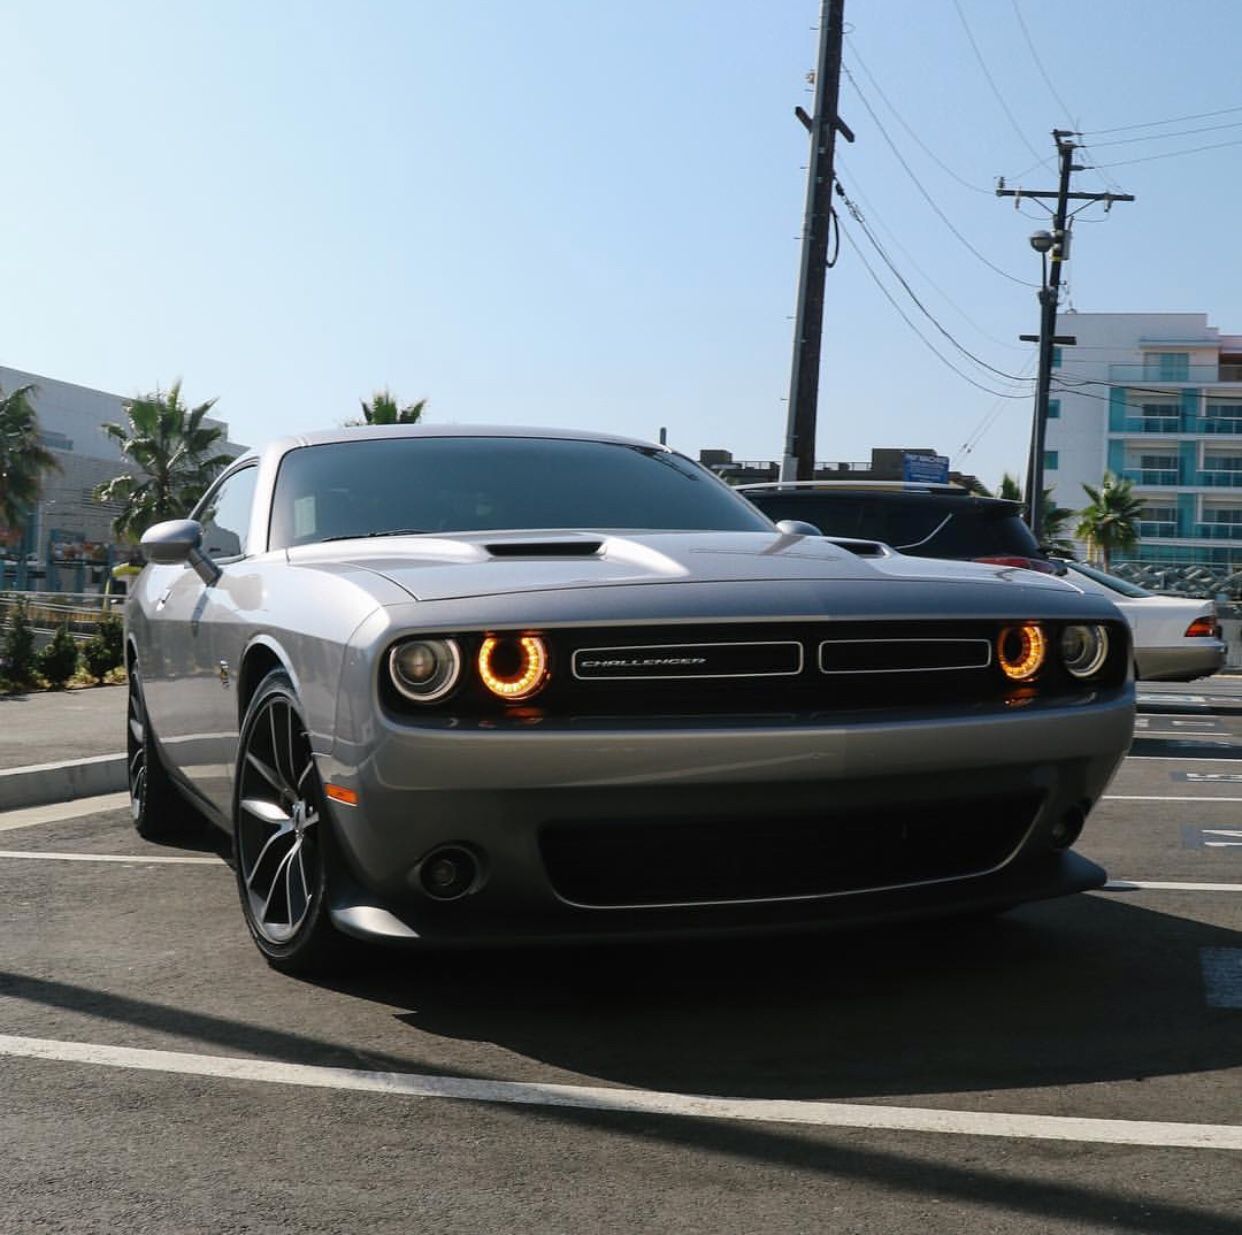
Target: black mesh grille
[676, 862]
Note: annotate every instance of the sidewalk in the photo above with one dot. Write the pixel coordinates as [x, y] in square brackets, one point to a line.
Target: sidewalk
[57, 726]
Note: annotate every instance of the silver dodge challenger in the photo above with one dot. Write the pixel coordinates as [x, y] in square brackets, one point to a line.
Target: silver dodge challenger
[461, 685]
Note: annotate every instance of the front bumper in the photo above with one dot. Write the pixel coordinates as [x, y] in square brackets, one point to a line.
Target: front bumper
[498, 793]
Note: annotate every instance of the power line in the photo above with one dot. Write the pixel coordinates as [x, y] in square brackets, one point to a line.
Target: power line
[989, 419]
[1151, 124]
[857, 215]
[922, 145]
[1156, 137]
[913, 262]
[1172, 154]
[927, 197]
[1039, 64]
[1000, 98]
[875, 278]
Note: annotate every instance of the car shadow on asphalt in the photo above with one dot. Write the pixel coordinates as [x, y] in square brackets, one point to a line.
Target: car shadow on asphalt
[1091, 989]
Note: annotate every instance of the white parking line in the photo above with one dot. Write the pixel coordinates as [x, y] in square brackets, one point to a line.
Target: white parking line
[1166, 797]
[639, 1101]
[134, 859]
[1151, 885]
[29, 816]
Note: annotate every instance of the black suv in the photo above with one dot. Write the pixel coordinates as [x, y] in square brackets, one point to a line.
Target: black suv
[928, 522]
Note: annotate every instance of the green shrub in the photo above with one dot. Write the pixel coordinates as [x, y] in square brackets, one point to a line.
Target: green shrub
[18, 649]
[58, 662]
[105, 650]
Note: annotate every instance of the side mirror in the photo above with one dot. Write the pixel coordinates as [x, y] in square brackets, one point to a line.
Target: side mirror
[177, 541]
[796, 527]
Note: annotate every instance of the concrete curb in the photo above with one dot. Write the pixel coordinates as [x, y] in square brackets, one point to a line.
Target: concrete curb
[43, 783]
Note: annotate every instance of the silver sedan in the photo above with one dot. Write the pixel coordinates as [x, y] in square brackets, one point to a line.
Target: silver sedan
[1176, 638]
[447, 685]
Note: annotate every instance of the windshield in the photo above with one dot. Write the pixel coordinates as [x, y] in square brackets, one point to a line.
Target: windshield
[1111, 582]
[474, 484]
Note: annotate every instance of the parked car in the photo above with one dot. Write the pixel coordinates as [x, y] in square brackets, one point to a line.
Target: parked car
[1176, 638]
[926, 520]
[453, 685]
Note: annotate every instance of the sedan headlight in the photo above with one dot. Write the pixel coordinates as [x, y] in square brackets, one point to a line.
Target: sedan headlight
[1084, 649]
[425, 670]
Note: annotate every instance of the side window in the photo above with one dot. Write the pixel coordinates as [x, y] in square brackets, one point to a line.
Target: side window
[226, 516]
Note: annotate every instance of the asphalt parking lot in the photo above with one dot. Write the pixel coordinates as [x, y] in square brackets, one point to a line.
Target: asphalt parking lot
[1074, 1066]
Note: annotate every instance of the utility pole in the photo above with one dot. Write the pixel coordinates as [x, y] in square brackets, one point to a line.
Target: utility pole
[1055, 250]
[798, 462]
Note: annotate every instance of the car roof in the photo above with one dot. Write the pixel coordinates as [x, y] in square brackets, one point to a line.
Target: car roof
[362, 433]
[889, 493]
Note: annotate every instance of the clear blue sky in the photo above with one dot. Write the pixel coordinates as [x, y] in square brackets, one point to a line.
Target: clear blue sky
[577, 213]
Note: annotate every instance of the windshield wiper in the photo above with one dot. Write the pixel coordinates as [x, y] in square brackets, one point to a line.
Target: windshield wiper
[397, 531]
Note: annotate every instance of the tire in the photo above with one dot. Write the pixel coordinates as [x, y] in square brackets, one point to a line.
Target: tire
[282, 839]
[159, 811]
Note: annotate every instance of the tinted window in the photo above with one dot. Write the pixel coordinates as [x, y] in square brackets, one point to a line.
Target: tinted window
[468, 484]
[226, 515]
[948, 527]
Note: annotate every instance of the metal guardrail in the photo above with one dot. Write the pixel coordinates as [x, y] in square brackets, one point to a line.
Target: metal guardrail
[80, 612]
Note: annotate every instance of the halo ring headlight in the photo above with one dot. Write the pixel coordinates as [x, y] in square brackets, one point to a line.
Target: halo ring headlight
[1084, 649]
[1021, 650]
[425, 670]
[513, 668]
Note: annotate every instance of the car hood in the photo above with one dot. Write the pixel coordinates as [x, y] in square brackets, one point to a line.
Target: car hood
[431, 568]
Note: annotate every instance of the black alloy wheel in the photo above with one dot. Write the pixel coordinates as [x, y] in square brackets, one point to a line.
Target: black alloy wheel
[282, 839]
[157, 808]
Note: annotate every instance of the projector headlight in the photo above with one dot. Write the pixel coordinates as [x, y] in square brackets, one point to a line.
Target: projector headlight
[425, 670]
[1084, 649]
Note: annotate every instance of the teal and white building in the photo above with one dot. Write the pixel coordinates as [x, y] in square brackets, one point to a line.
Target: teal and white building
[1156, 397]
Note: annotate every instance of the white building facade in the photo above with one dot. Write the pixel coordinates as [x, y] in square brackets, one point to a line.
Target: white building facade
[68, 541]
[1155, 397]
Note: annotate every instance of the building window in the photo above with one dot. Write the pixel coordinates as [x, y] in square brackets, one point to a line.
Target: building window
[1168, 366]
[1054, 409]
[1051, 459]
[1056, 357]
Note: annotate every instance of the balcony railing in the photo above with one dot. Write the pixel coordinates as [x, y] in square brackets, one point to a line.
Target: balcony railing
[1142, 476]
[1149, 424]
[1220, 478]
[1191, 375]
[1183, 424]
[1147, 528]
[1218, 531]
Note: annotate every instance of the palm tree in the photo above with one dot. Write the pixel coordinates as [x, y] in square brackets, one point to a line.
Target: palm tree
[1054, 527]
[23, 458]
[177, 458]
[1009, 489]
[383, 410]
[1111, 520]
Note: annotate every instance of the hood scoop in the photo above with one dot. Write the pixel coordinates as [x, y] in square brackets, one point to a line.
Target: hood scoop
[575, 546]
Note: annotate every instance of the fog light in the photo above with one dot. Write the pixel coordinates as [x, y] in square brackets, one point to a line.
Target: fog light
[448, 873]
[1068, 828]
[1021, 651]
[1084, 649]
[514, 668]
[425, 670]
